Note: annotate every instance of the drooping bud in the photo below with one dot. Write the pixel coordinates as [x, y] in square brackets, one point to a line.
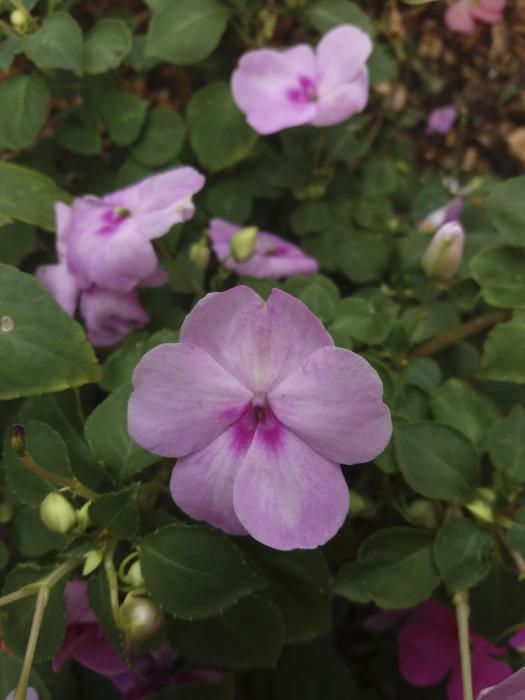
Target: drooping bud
[200, 254]
[57, 513]
[422, 512]
[139, 618]
[443, 256]
[242, 245]
[31, 694]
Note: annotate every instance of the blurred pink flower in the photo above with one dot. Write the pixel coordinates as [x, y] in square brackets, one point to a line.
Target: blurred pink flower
[273, 257]
[462, 15]
[442, 119]
[260, 408]
[513, 688]
[280, 89]
[429, 651]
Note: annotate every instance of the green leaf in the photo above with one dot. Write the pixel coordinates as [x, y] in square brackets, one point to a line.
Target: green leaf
[246, 636]
[436, 461]
[10, 668]
[319, 301]
[223, 689]
[79, 133]
[106, 45]
[464, 553]
[42, 349]
[457, 404]
[193, 571]
[117, 512]
[327, 14]
[231, 200]
[503, 352]
[16, 241]
[124, 115]
[423, 373]
[506, 208]
[506, 445]
[401, 570]
[500, 272]
[367, 321]
[162, 138]
[112, 446]
[19, 615]
[9, 48]
[437, 317]
[185, 31]
[351, 582]
[219, 133]
[24, 106]
[382, 65]
[27, 195]
[31, 537]
[516, 533]
[57, 44]
[501, 584]
[310, 217]
[363, 257]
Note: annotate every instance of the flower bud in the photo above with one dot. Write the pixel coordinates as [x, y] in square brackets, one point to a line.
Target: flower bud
[200, 254]
[6, 512]
[93, 560]
[481, 510]
[358, 504]
[134, 576]
[422, 512]
[83, 516]
[31, 694]
[139, 618]
[57, 513]
[19, 19]
[242, 244]
[443, 256]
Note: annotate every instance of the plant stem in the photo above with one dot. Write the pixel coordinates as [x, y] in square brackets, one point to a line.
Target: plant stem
[112, 579]
[17, 595]
[462, 616]
[459, 333]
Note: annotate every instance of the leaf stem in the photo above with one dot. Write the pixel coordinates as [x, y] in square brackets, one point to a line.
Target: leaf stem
[112, 579]
[462, 615]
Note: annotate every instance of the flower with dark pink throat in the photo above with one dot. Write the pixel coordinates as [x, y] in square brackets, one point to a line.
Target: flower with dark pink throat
[462, 15]
[272, 256]
[280, 89]
[429, 652]
[260, 409]
[105, 251]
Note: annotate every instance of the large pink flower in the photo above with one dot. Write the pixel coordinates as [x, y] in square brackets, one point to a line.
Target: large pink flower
[279, 89]
[105, 252]
[461, 16]
[260, 408]
[273, 257]
[429, 651]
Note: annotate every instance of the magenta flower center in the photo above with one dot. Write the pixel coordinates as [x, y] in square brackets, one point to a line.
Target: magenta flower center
[112, 219]
[305, 92]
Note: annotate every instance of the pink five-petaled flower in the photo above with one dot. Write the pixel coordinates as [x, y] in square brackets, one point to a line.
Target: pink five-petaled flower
[260, 408]
[279, 89]
[442, 119]
[429, 651]
[512, 688]
[273, 257]
[461, 16]
[105, 252]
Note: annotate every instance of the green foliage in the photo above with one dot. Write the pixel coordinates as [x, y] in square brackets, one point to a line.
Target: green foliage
[24, 106]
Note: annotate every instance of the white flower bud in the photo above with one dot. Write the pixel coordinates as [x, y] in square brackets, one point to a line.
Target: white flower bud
[443, 256]
[57, 513]
[19, 19]
[242, 245]
[139, 618]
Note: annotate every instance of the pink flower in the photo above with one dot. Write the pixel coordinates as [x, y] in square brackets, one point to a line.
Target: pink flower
[30, 695]
[273, 257]
[442, 119]
[512, 688]
[429, 651]
[279, 89]
[443, 256]
[260, 408]
[461, 16]
[444, 215]
[105, 252]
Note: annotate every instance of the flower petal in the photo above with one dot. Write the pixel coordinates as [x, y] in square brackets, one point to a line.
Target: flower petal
[61, 284]
[333, 402]
[77, 603]
[111, 315]
[341, 57]
[513, 688]
[486, 672]
[182, 400]
[286, 495]
[63, 217]
[343, 102]
[458, 17]
[257, 343]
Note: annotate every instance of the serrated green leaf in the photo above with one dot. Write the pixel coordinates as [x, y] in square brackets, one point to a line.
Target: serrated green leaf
[117, 512]
[106, 45]
[24, 107]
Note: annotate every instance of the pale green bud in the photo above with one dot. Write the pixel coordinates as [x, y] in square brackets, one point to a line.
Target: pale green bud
[422, 512]
[134, 576]
[83, 516]
[139, 618]
[19, 19]
[93, 560]
[358, 504]
[6, 512]
[57, 513]
[481, 510]
[243, 243]
[200, 254]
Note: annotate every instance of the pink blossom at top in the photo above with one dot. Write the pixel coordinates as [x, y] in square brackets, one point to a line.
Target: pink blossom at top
[280, 89]
[429, 651]
[512, 688]
[105, 252]
[260, 408]
[442, 119]
[462, 15]
[273, 257]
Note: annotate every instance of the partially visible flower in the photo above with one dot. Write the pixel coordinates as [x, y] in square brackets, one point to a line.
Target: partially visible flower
[429, 652]
[442, 258]
[30, 695]
[462, 15]
[260, 408]
[105, 252]
[272, 256]
[280, 89]
[444, 215]
[442, 119]
[512, 688]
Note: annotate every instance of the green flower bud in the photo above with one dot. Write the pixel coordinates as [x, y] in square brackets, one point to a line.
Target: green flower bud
[422, 512]
[83, 516]
[19, 19]
[242, 244]
[93, 560]
[358, 504]
[481, 510]
[139, 618]
[6, 512]
[134, 576]
[57, 513]
[200, 254]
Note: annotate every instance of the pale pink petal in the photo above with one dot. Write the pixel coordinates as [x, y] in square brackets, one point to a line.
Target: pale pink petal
[202, 483]
[513, 688]
[487, 671]
[333, 402]
[59, 282]
[156, 279]
[63, 218]
[442, 119]
[258, 343]
[341, 57]
[286, 495]
[458, 17]
[111, 315]
[489, 11]
[342, 102]
[182, 400]
[517, 641]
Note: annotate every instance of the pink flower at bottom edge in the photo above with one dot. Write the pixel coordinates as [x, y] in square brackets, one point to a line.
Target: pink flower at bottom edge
[461, 16]
[513, 688]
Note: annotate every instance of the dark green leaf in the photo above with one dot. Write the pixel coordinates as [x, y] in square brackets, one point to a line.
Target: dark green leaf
[24, 106]
[500, 272]
[506, 208]
[106, 45]
[117, 512]
[57, 44]
[516, 533]
[327, 14]
[506, 445]
[503, 352]
[124, 115]
[162, 138]
[10, 668]
[423, 373]
[363, 257]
